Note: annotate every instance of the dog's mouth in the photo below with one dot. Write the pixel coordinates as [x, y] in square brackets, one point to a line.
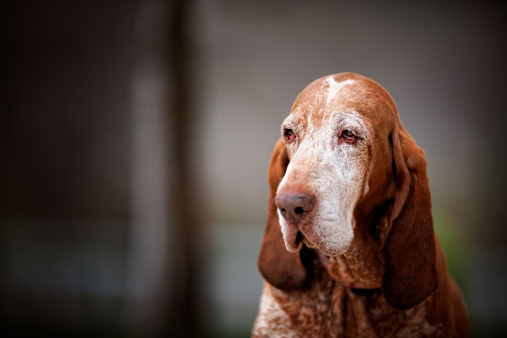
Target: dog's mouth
[302, 239]
[296, 239]
[323, 258]
[312, 243]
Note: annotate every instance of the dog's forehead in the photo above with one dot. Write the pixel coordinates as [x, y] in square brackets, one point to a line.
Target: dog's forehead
[322, 99]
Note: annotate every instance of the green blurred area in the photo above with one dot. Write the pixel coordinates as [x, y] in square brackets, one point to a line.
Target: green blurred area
[457, 247]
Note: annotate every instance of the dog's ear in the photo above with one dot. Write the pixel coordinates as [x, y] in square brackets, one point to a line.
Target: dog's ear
[408, 252]
[278, 266]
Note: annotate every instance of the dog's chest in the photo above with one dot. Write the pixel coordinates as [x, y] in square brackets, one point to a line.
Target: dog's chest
[328, 309]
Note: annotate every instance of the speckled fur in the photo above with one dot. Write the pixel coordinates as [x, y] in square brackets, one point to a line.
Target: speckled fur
[330, 309]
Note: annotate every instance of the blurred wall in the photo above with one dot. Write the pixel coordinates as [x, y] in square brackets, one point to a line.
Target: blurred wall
[65, 165]
[91, 211]
[96, 150]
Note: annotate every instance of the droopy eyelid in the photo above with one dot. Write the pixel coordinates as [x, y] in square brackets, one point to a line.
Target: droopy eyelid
[356, 126]
[288, 125]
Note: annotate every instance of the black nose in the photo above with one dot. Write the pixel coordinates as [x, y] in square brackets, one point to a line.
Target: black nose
[294, 206]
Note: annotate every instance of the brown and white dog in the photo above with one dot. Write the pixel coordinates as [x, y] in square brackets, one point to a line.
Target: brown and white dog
[349, 248]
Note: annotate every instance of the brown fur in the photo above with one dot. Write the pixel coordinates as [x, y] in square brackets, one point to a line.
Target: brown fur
[385, 283]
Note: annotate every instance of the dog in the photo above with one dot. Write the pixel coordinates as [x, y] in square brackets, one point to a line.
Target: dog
[349, 248]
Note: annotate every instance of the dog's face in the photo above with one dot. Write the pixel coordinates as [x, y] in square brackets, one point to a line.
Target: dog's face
[336, 135]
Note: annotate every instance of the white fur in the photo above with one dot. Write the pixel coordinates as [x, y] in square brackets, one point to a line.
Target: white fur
[334, 171]
[334, 87]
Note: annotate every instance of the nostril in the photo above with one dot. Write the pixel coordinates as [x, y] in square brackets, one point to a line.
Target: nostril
[299, 210]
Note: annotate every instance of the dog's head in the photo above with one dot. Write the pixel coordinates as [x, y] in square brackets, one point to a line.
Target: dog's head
[348, 181]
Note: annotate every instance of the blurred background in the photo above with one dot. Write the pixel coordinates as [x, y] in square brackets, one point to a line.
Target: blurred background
[135, 138]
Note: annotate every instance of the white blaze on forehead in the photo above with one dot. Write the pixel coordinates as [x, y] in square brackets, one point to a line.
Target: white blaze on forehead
[334, 87]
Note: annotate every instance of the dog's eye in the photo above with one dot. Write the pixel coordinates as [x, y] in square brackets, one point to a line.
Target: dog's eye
[289, 135]
[348, 135]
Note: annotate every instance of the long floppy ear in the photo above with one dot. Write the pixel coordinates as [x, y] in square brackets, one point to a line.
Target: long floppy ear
[408, 252]
[278, 266]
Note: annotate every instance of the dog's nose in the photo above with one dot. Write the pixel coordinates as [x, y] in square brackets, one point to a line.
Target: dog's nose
[294, 206]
